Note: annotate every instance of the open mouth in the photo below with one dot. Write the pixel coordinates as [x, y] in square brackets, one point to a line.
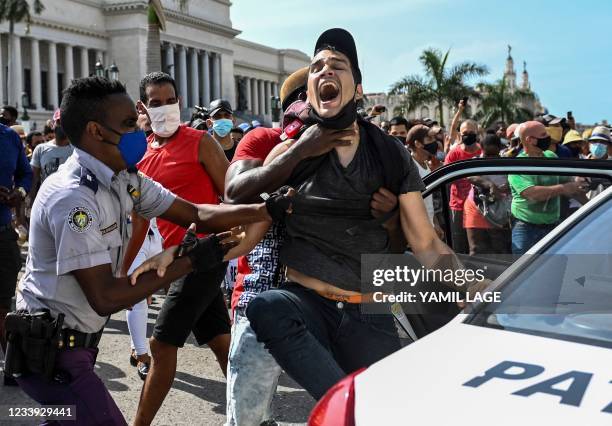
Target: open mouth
[328, 91]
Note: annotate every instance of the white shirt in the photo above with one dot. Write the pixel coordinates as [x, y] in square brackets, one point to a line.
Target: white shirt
[79, 220]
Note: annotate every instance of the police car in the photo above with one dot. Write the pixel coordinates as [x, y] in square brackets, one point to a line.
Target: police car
[541, 356]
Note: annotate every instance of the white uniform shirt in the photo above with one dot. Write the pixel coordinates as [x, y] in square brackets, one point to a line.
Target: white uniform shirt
[78, 221]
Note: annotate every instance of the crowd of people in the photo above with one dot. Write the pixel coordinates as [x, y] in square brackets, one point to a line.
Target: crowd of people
[532, 205]
[120, 199]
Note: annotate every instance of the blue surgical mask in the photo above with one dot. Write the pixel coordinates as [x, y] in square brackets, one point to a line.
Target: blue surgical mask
[599, 150]
[440, 155]
[132, 145]
[222, 126]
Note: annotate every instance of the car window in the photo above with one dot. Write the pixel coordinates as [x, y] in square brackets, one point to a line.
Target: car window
[494, 219]
[566, 292]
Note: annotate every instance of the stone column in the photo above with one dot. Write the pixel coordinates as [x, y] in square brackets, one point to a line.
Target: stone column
[182, 73]
[52, 95]
[216, 80]
[195, 77]
[84, 62]
[2, 81]
[68, 65]
[247, 85]
[169, 52]
[16, 86]
[268, 93]
[36, 95]
[205, 78]
[255, 96]
[262, 100]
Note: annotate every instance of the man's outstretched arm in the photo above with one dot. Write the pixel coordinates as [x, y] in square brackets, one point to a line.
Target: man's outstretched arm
[107, 294]
[214, 218]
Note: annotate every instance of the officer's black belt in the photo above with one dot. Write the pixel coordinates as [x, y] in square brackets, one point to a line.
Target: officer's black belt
[72, 339]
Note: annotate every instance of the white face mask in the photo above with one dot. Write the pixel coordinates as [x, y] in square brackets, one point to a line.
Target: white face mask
[165, 120]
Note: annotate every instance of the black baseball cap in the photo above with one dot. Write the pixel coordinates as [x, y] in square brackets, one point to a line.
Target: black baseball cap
[342, 41]
[218, 105]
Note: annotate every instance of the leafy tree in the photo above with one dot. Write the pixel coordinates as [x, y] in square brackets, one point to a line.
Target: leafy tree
[500, 103]
[156, 22]
[440, 83]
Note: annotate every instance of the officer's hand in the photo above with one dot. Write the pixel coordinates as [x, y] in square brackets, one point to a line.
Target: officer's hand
[383, 201]
[206, 253]
[159, 263]
[317, 140]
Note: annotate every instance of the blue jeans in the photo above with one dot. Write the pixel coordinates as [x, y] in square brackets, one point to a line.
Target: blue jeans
[525, 235]
[318, 341]
[252, 376]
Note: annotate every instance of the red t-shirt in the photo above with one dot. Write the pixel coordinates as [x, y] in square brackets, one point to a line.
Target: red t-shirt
[460, 188]
[176, 165]
[256, 145]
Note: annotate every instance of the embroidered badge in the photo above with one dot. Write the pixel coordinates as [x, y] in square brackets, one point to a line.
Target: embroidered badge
[79, 219]
[108, 229]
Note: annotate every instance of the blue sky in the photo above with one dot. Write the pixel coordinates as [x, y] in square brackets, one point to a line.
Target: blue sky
[566, 44]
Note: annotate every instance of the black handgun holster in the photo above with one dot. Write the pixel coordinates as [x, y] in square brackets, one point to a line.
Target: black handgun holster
[32, 343]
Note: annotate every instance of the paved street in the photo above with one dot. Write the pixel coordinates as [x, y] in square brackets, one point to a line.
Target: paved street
[198, 394]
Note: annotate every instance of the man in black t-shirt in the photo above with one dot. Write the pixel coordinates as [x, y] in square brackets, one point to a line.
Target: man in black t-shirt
[313, 326]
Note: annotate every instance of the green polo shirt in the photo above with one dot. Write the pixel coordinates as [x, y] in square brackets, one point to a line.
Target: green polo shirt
[536, 212]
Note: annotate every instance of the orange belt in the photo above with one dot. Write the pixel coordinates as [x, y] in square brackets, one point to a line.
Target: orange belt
[353, 298]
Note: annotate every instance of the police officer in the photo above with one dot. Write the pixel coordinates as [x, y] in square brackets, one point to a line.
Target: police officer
[78, 232]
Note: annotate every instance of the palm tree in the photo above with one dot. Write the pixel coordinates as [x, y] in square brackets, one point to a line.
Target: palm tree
[15, 11]
[500, 103]
[440, 84]
[156, 22]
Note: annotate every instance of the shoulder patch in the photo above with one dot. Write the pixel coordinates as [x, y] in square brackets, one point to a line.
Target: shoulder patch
[89, 180]
[80, 219]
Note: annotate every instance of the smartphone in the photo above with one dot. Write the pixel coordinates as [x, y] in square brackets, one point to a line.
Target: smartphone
[569, 115]
[465, 101]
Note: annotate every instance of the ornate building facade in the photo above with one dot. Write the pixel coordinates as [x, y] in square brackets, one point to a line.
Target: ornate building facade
[200, 49]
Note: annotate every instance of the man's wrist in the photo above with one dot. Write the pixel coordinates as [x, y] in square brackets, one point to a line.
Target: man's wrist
[262, 211]
[22, 192]
[561, 190]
